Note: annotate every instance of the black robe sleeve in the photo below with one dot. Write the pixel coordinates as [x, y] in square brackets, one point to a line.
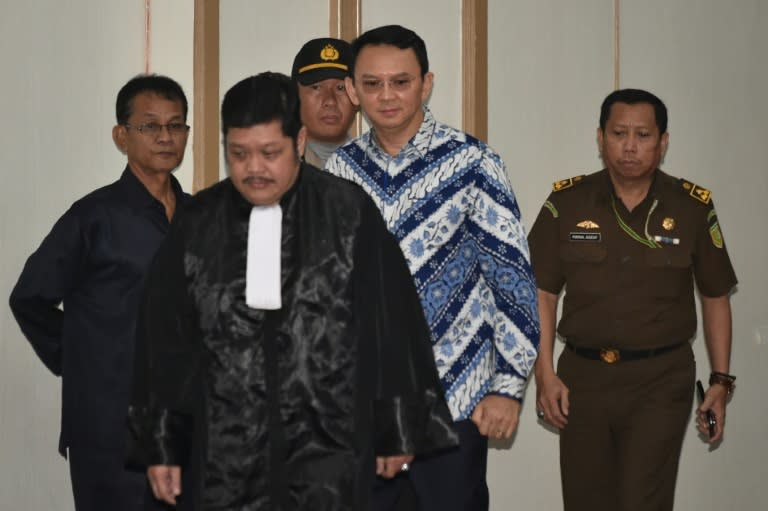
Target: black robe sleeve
[410, 412]
[167, 379]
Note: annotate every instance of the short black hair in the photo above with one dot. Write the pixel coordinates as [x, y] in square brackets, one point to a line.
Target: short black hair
[261, 99]
[158, 84]
[634, 97]
[391, 35]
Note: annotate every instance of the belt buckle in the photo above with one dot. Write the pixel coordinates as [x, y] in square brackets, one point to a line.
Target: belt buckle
[610, 355]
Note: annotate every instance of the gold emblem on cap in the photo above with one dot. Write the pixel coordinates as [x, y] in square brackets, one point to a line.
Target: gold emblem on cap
[329, 53]
[668, 223]
[587, 224]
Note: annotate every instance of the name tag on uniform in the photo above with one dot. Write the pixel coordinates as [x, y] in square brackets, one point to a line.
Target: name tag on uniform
[585, 236]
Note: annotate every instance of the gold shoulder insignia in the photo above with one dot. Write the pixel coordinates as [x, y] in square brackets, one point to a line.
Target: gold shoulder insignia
[696, 191]
[565, 183]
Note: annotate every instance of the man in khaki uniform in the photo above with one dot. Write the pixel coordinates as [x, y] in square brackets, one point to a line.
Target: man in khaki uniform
[627, 243]
[319, 70]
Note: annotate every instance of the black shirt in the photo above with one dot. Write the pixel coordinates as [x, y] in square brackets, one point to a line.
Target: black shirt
[92, 263]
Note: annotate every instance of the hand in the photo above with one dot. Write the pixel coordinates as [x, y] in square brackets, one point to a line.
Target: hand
[497, 416]
[714, 400]
[389, 466]
[165, 481]
[552, 398]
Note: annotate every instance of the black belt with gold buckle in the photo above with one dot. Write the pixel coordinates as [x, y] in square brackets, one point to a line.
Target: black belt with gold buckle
[613, 355]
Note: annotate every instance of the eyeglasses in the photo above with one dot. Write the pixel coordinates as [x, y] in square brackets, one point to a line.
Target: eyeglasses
[373, 85]
[154, 128]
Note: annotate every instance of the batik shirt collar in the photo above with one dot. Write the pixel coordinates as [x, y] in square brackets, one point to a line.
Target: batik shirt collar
[416, 147]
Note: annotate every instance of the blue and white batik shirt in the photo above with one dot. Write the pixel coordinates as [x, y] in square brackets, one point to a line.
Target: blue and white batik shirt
[446, 198]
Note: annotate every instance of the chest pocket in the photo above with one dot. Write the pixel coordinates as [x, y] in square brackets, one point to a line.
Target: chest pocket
[583, 253]
[668, 257]
[669, 272]
[584, 266]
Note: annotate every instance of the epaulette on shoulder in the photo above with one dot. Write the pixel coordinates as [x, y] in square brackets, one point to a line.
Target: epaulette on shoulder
[696, 191]
[564, 184]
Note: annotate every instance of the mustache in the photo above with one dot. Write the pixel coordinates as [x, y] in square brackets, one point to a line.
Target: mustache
[261, 179]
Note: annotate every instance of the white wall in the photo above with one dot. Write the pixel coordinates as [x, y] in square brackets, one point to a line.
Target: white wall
[706, 60]
[171, 54]
[63, 63]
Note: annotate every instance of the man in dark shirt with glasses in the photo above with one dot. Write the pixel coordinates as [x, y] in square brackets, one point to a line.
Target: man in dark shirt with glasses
[77, 297]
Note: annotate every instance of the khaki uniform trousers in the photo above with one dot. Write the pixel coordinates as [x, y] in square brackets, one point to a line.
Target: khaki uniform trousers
[626, 423]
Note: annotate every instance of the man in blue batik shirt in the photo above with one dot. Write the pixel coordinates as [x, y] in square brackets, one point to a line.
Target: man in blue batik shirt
[445, 196]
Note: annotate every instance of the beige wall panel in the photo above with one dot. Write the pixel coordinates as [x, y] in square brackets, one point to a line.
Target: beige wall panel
[171, 47]
[549, 67]
[63, 63]
[706, 60]
[438, 22]
[265, 36]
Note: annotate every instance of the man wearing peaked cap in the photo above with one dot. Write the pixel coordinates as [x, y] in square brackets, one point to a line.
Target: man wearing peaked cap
[319, 70]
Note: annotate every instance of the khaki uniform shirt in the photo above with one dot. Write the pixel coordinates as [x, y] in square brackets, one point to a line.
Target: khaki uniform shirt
[621, 289]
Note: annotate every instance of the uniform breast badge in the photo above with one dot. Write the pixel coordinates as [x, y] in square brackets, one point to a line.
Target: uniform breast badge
[666, 240]
[667, 224]
[586, 235]
[587, 224]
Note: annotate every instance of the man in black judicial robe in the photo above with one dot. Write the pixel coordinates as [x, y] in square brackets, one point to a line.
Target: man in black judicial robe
[255, 392]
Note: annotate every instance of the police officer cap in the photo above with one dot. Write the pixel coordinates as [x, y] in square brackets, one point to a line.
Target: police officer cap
[321, 59]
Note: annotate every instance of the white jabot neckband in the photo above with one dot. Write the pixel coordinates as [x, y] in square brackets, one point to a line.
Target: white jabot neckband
[262, 269]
